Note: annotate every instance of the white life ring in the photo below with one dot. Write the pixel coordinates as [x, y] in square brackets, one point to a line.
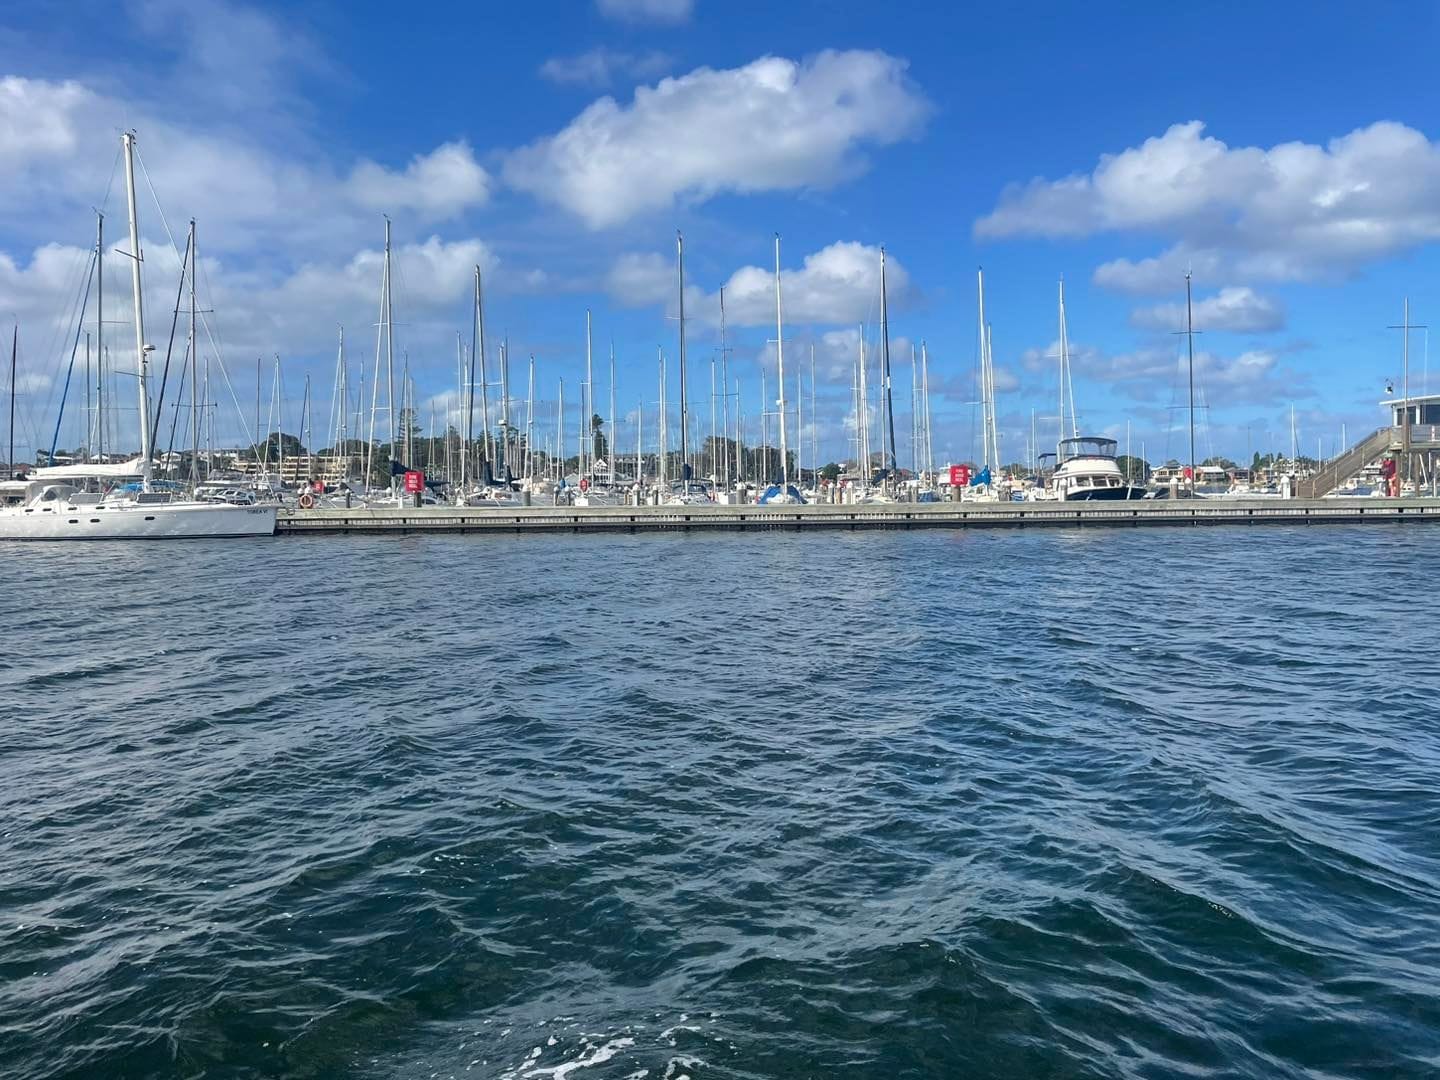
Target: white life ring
[307, 501]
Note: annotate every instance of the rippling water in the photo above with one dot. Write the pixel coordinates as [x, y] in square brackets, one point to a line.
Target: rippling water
[1016, 804]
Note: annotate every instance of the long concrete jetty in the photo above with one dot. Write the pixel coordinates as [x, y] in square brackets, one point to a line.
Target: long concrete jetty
[549, 519]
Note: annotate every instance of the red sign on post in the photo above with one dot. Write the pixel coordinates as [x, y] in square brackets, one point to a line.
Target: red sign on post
[959, 475]
[414, 482]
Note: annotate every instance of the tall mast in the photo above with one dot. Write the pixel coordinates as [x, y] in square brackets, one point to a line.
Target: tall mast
[614, 432]
[530, 419]
[587, 403]
[99, 440]
[127, 140]
[14, 351]
[1404, 389]
[1064, 356]
[340, 447]
[714, 443]
[194, 369]
[889, 430]
[863, 415]
[1190, 344]
[477, 355]
[725, 386]
[505, 405]
[684, 399]
[1067, 384]
[467, 429]
[390, 344]
[814, 437]
[780, 364]
[925, 397]
[305, 432]
[984, 377]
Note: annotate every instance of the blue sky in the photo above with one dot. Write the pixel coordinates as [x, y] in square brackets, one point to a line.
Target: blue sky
[1285, 153]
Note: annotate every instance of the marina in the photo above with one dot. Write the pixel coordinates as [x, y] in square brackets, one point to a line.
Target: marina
[671, 540]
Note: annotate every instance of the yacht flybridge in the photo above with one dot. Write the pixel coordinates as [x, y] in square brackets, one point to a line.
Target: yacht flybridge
[1087, 470]
[54, 504]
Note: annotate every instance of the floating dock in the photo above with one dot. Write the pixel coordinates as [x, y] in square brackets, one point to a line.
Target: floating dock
[550, 519]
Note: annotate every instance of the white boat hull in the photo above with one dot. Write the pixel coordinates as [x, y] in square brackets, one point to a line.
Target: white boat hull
[135, 521]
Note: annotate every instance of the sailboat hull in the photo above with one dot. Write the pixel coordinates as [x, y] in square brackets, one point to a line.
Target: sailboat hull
[135, 521]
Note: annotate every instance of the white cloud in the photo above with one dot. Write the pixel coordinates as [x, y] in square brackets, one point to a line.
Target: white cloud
[836, 285]
[38, 120]
[652, 11]
[246, 194]
[436, 185]
[1237, 309]
[1294, 211]
[771, 125]
[599, 67]
[1163, 273]
[1161, 372]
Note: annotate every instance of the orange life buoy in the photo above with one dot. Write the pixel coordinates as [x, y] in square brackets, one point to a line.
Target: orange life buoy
[307, 501]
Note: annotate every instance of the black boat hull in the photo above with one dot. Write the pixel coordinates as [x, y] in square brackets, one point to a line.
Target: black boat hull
[1120, 494]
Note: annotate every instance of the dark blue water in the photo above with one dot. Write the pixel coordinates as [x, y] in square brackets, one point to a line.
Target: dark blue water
[1159, 803]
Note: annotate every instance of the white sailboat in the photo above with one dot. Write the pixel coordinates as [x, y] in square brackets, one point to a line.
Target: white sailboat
[56, 508]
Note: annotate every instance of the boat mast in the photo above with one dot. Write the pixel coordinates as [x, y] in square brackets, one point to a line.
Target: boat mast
[505, 406]
[530, 420]
[14, 351]
[684, 398]
[98, 447]
[780, 364]
[587, 404]
[925, 392]
[984, 377]
[614, 432]
[725, 387]
[127, 141]
[1190, 344]
[467, 432]
[863, 417]
[477, 355]
[194, 369]
[1067, 383]
[814, 437]
[340, 447]
[889, 430]
[305, 433]
[390, 350]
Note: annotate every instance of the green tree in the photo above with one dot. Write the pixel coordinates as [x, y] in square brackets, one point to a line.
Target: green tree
[1136, 469]
[600, 446]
